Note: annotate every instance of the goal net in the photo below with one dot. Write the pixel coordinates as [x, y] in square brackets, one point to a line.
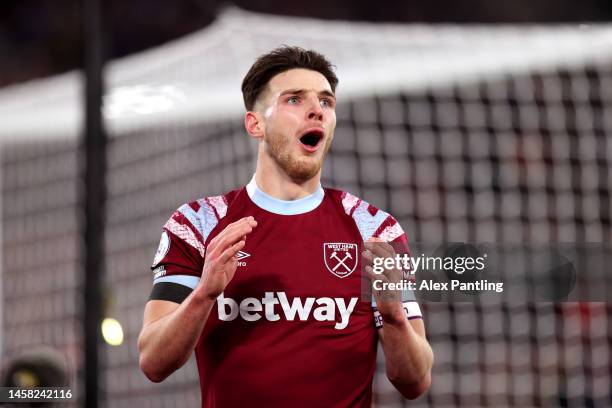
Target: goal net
[463, 133]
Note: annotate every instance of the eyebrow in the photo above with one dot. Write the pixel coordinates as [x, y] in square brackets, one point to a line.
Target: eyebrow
[303, 91]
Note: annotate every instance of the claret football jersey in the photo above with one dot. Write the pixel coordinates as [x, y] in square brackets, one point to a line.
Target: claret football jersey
[292, 327]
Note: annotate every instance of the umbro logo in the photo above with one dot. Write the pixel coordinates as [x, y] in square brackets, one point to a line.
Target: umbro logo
[240, 256]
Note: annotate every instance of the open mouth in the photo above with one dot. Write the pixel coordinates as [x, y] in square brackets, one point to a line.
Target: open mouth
[311, 138]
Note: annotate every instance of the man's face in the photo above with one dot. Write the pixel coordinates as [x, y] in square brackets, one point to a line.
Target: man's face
[299, 119]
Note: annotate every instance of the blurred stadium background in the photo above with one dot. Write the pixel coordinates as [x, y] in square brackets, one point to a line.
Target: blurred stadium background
[497, 133]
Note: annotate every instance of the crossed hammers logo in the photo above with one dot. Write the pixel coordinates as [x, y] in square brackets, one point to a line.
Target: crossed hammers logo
[335, 256]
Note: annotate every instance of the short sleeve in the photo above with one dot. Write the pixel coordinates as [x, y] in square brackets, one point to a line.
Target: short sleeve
[178, 262]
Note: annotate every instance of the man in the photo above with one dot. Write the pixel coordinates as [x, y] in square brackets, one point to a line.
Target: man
[265, 281]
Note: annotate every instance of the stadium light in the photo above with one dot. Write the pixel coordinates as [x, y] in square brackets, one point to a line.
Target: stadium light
[112, 332]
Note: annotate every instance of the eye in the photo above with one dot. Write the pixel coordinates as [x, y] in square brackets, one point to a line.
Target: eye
[326, 103]
[293, 100]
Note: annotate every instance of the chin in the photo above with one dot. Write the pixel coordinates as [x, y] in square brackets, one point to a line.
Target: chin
[300, 168]
[303, 171]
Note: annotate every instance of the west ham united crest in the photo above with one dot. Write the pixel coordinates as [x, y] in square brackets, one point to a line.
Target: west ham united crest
[340, 258]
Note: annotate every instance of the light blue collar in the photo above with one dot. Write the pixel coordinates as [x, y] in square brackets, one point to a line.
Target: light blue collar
[283, 207]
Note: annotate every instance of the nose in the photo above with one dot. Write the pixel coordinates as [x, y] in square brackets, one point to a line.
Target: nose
[315, 111]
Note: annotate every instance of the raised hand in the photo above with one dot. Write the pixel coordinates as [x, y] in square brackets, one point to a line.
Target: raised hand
[220, 263]
[388, 301]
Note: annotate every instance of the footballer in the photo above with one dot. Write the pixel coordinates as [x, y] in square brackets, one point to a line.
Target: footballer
[264, 282]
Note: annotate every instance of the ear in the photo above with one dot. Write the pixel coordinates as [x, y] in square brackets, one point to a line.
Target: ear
[253, 125]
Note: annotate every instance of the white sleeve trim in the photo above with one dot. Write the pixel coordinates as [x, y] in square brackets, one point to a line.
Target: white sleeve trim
[185, 280]
[411, 309]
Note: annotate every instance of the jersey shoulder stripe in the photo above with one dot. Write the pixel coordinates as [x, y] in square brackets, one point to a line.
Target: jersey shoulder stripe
[218, 204]
[193, 222]
[180, 256]
[186, 232]
[371, 222]
[390, 231]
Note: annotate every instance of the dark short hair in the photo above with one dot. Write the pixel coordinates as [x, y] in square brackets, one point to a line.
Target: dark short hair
[280, 60]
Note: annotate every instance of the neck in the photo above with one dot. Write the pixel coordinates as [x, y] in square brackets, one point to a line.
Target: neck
[278, 184]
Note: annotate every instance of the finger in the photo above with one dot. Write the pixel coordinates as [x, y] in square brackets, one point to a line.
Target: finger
[241, 227]
[392, 274]
[371, 274]
[380, 248]
[380, 245]
[372, 241]
[237, 232]
[368, 256]
[230, 227]
[379, 294]
[229, 253]
[231, 237]
[249, 220]
[245, 220]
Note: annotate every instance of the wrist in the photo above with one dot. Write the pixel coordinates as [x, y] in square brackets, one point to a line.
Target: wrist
[395, 317]
[202, 296]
